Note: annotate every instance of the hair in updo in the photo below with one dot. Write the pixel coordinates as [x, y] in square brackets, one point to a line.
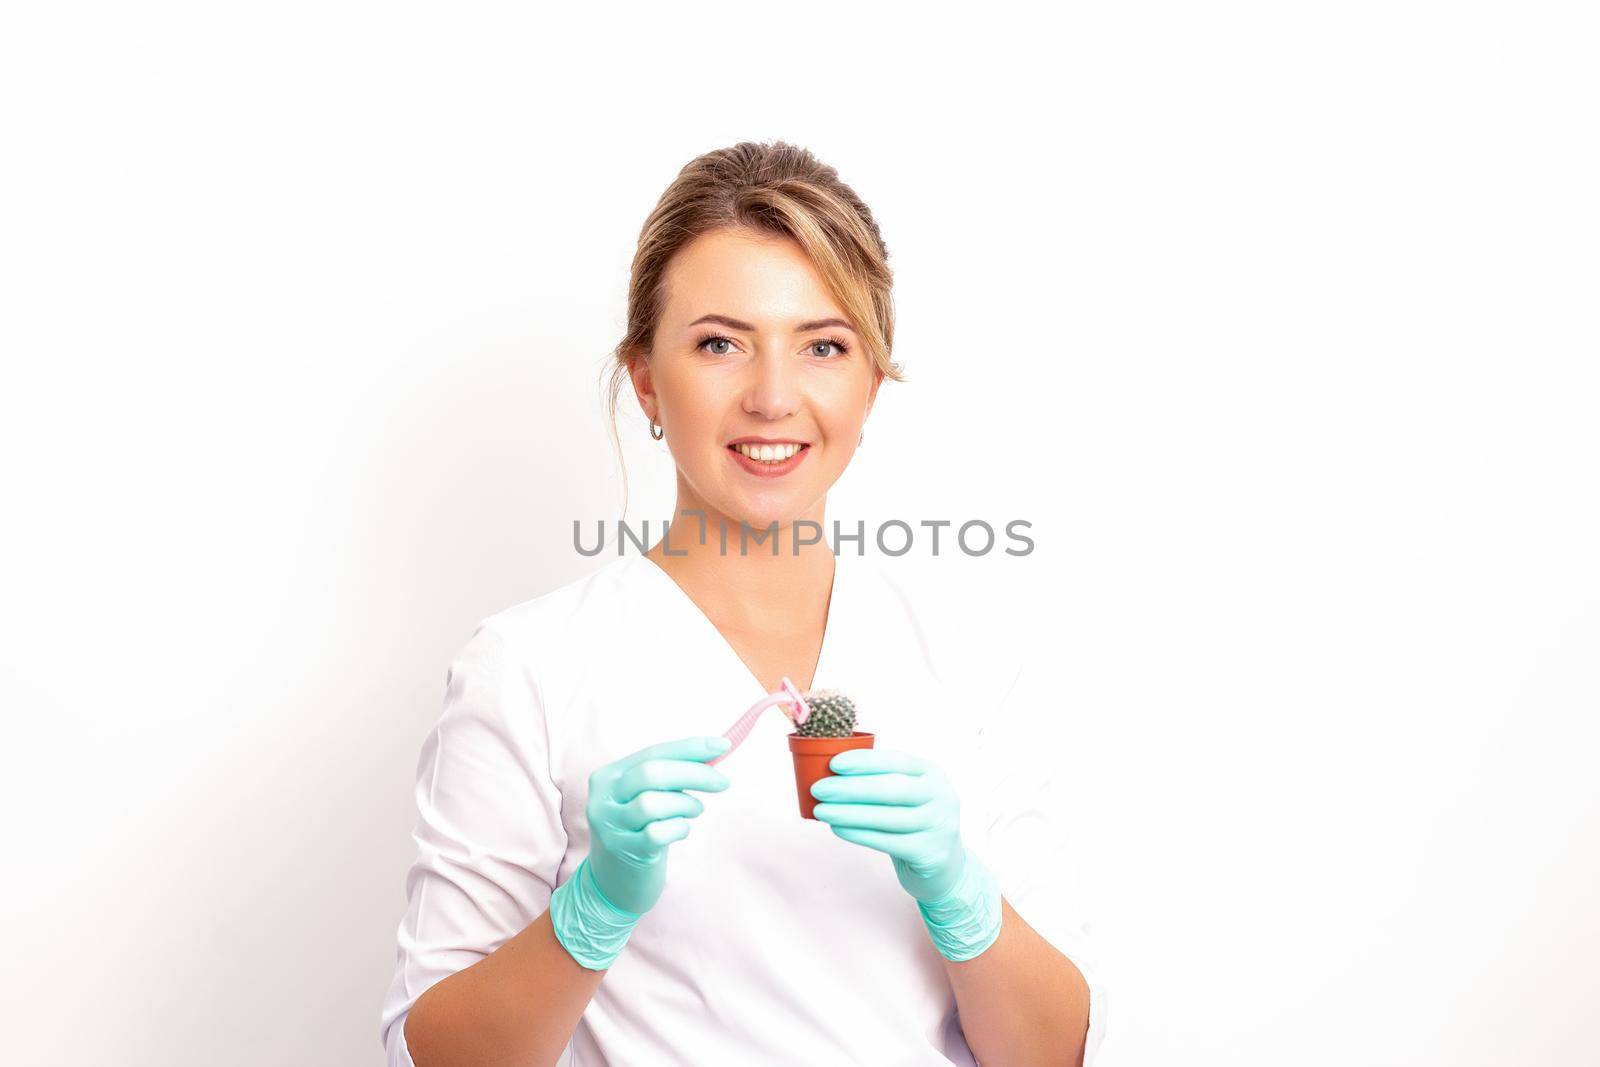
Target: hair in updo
[773, 189]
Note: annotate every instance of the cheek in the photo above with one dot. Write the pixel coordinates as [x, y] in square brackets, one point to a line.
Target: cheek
[841, 415]
[698, 405]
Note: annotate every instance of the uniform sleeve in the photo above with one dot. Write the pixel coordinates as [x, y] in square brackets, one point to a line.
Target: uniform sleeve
[489, 834]
[1021, 749]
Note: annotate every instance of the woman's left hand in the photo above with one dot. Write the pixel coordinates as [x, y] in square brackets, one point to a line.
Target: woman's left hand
[901, 805]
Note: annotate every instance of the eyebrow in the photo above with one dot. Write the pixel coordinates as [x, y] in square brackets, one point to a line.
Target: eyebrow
[736, 324]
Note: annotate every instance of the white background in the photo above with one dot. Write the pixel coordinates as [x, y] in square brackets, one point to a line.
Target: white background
[1277, 320]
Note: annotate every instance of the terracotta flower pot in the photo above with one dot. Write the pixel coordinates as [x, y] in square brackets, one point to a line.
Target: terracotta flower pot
[811, 756]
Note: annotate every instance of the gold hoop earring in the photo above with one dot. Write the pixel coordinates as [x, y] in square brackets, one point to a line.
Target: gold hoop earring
[654, 428]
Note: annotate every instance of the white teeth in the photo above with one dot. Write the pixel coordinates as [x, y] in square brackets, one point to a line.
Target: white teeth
[768, 453]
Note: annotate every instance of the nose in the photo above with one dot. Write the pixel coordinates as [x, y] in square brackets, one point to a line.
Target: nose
[772, 391]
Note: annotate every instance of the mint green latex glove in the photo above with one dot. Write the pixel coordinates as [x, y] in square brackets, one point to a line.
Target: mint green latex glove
[636, 809]
[906, 807]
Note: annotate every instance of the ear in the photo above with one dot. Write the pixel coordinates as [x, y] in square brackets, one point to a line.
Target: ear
[872, 393]
[643, 388]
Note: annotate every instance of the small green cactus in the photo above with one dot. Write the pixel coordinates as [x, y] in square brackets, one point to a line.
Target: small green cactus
[832, 715]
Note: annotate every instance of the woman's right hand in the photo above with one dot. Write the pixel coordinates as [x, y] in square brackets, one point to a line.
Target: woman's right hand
[637, 807]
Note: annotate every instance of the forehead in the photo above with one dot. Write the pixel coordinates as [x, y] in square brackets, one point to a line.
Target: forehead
[748, 276]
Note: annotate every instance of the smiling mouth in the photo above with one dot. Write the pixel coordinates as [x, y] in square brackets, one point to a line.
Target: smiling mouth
[773, 454]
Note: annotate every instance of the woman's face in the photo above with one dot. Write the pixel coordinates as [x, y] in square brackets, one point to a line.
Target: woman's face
[751, 348]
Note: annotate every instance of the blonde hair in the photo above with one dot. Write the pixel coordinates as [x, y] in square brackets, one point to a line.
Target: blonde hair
[774, 189]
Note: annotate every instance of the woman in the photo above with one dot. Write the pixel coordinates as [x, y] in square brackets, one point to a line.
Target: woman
[577, 726]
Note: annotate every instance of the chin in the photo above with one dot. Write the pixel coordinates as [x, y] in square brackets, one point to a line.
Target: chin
[760, 516]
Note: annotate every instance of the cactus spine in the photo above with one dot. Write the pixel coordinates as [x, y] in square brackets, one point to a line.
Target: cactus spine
[832, 715]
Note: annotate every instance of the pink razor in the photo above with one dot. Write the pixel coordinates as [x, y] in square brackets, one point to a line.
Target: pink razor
[787, 698]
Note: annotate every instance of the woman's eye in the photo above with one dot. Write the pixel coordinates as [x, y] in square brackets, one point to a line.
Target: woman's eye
[827, 349]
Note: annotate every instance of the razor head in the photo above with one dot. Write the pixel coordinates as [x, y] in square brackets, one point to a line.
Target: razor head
[799, 711]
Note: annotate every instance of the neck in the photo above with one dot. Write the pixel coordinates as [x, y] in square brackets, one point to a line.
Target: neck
[771, 584]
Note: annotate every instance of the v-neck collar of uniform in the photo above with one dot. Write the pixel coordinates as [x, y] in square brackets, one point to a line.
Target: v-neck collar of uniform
[831, 632]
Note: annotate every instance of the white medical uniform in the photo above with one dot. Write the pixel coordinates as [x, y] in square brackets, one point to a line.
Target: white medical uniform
[774, 941]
